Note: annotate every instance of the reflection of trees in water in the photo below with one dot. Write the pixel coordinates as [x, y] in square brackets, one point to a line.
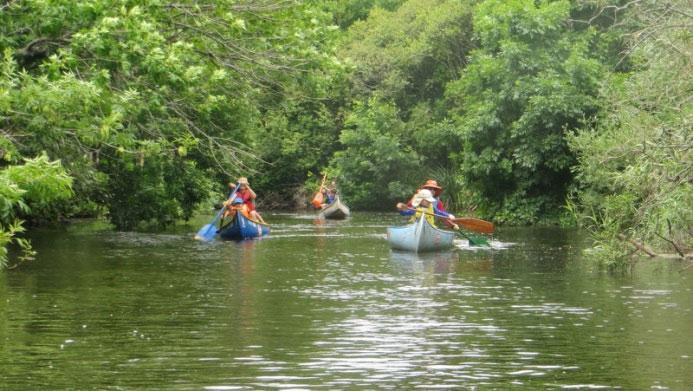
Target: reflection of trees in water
[320, 229]
[243, 311]
[441, 262]
[479, 264]
[424, 263]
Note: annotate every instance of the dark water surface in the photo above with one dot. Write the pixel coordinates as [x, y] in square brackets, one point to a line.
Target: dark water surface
[328, 306]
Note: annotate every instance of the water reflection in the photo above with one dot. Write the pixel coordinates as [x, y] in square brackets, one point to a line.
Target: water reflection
[433, 262]
[331, 306]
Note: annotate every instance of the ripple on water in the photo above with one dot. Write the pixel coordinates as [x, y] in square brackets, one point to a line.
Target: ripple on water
[293, 313]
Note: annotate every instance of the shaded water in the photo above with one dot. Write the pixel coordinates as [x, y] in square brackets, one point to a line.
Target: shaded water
[328, 306]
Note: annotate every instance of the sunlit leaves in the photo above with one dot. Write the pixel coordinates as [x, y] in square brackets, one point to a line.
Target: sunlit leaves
[42, 181]
[532, 79]
[24, 189]
[107, 86]
[408, 54]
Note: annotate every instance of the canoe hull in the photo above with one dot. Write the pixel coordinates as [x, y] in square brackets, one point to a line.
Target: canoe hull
[242, 228]
[419, 236]
[336, 210]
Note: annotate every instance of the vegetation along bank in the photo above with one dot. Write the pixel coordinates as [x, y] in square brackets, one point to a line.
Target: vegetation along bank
[526, 112]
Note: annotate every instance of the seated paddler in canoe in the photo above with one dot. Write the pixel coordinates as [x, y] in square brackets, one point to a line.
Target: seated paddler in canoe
[234, 207]
[439, 211]
[424, 203]
[325, 195]
[245, 221]
[421, 234]
[329, 194]
[436, 190]
[243, 201]
[330, 205]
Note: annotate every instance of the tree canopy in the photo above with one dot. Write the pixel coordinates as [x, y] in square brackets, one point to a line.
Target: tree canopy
[157, 97]
[532, 79]
[526, 112]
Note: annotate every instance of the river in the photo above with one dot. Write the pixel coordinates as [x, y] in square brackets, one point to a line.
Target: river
[326, 305]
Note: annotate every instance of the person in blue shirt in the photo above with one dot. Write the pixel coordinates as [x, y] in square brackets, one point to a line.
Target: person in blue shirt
[424, 203]
[329, 194]
[432, 185]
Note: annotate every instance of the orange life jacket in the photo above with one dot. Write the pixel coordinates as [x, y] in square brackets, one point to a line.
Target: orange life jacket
[243, 208]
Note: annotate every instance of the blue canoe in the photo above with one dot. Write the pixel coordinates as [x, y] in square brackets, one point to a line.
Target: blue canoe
[419, 236]
[243, 228]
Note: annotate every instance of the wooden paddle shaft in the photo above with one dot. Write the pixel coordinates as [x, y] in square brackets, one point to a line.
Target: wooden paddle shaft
[468, 222]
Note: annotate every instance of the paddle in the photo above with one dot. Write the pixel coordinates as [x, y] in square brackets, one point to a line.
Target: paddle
[207, 232]
[470, 223]
[317, 200]
[475, 223]
[474, 240]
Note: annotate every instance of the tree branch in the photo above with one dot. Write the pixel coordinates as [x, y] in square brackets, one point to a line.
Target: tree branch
[639, 245]
[673, 244]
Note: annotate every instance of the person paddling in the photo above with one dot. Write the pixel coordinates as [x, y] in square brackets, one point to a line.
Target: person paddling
[329, 194]
[423, 202]
[432, 185]
[247, 195]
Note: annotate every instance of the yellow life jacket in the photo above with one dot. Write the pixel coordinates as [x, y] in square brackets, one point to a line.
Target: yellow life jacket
[429, 214]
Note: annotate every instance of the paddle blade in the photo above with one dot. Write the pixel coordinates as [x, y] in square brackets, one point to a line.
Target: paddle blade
[208, 231]
[206, 234]
[317, 200]
[476, 225]
[476, 241]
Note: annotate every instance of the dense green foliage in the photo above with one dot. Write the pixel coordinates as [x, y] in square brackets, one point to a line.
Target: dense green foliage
[346, 12]
[109, 86]
[153, 107]
[28, 189]
[635, 169]
[531, 79]
[374, 168]
[408, 55]
[403, 60]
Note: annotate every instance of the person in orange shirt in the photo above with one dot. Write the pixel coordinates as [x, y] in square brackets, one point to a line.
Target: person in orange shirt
[247, 195]
[329, 194]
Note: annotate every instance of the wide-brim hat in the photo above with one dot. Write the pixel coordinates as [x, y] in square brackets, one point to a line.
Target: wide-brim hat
[423, 194]
[242, 180]
[432, 184]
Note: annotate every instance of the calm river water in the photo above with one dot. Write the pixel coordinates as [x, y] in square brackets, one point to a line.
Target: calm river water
[328, 306]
